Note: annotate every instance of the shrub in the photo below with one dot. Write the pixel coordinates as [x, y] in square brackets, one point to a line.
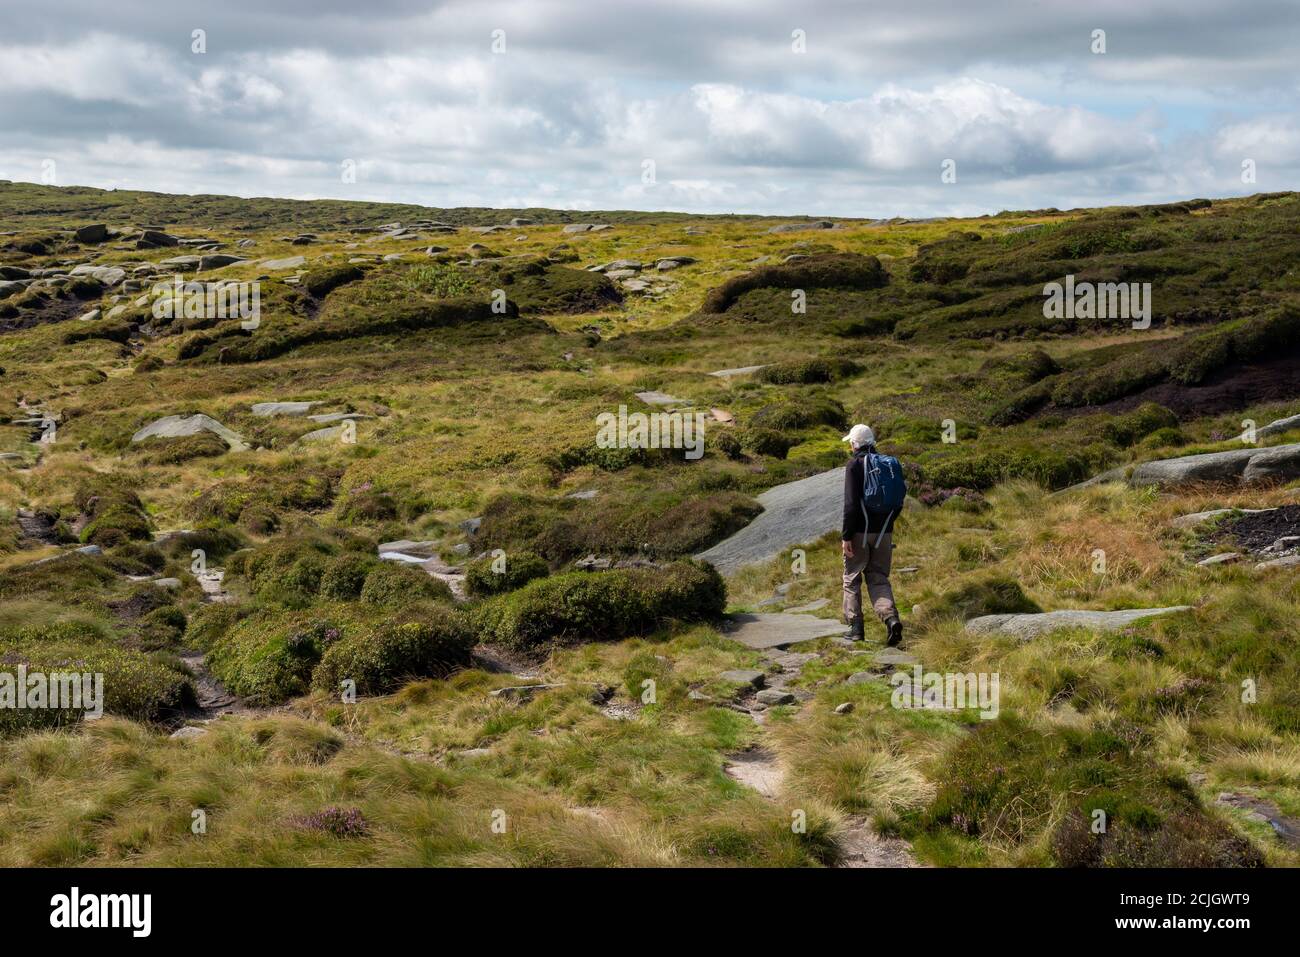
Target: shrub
[368, 507]
[392, 584]
[520, 568]
[428, 641]
[268, 656]
[134, 684]
[345, 576]
[763, 441]
[210, 622]
[801, 413]
[1049, 466]
[727, 443]
[601, 606]
[807, 371]
[157, 450]
[1126, 429]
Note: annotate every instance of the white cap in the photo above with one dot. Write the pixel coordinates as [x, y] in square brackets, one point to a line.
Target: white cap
[860, 435]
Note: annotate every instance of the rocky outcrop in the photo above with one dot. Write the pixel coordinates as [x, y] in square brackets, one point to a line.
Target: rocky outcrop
[793, 514]
[176, 426]
[1026, 627]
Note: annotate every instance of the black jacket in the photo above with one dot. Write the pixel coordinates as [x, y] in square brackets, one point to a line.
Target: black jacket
[856, 520]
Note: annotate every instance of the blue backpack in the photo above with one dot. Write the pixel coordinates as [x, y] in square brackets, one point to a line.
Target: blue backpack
[883, 486]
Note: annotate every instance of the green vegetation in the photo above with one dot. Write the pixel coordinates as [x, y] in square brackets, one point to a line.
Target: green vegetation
[927, 331]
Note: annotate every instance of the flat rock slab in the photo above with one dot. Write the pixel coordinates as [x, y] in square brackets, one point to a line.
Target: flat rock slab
[1196, 518]
[740, 370]
[1248, 466]
[1220, 559]
[426, 548]
[176, 426]
[793, 514]
[815, 605]
[744, 676]
[293, 262]
[1025, 627]
[1280, 425]
[282, 408]
[761, 631]
[895, 657]
[757, 769]
[660, 398]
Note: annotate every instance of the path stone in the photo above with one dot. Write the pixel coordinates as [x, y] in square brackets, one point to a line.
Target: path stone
[744, 676]
[793, 514]
[860, 846]
[660, 398]
[1025, 627]
[757, 769]
[762, 631]
[845, 708]
[815, 605]
[895, 657]
[175, 426]
[864, 677]
[774, 696]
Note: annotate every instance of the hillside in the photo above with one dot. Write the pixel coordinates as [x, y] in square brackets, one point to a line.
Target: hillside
[426, 383]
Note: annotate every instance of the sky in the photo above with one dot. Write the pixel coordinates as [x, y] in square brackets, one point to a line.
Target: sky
[873, 108]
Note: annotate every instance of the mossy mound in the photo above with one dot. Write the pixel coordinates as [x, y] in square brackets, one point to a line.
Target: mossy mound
[601, 606]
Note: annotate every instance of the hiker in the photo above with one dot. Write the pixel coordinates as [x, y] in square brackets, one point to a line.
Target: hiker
[873, 497]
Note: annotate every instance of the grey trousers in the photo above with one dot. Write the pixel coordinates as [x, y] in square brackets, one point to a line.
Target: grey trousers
[870, 561]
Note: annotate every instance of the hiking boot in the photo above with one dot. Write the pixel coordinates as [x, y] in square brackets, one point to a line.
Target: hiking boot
[895, 627]
[855, 632]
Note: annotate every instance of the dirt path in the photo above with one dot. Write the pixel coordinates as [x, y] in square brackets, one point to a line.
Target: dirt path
[760, 767]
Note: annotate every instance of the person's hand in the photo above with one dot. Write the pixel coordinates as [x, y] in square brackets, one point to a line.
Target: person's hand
[847, 548]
